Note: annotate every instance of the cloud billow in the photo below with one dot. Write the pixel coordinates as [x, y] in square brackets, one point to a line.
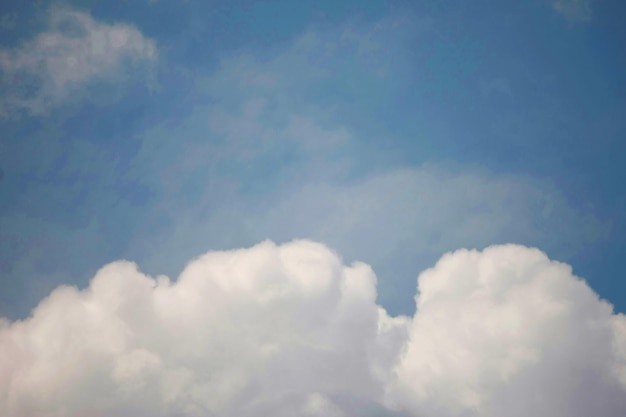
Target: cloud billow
[289, 330]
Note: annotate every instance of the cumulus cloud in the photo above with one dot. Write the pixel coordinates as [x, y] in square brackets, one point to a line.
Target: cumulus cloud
[290, 330]
[262, 331]
[75, 49]
[573, 9]
[507, 332]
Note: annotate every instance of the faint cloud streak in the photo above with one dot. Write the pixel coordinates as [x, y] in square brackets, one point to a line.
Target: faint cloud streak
[41, 73]
[574, 10]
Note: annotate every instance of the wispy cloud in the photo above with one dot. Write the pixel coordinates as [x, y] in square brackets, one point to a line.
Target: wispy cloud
[398, 220]
[261, 110]
[42, 72]
[573, 9]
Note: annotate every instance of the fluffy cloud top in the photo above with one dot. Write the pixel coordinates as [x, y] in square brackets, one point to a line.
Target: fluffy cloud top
[40, 73]
[262, 331]
[507, 332]
[291, 331]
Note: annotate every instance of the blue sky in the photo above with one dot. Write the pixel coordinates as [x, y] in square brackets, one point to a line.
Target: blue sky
[312, 208]
[393, 133]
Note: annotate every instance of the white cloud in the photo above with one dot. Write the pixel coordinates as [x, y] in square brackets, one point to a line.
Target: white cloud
[573, 9]
[261, 331]
[507, 332]
[74, 49]
[291, 331]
